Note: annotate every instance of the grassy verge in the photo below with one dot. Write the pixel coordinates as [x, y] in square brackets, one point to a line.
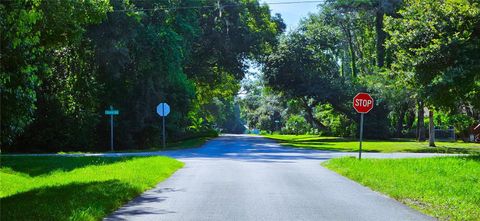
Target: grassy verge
[386, 146]
[184, 144]
[445, 187]
[75, 188]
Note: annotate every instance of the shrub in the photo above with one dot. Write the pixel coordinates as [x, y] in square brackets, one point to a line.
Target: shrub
[296, 124]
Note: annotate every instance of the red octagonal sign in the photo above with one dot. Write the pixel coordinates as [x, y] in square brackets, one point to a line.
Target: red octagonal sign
[363, 103]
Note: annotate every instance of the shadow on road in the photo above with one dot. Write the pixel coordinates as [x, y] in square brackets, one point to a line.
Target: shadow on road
[250, 148]
[140, 202]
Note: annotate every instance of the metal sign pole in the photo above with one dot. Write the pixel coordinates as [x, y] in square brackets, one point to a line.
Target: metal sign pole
[111, 112]
[163, 111]
[361, 136]
[111, 132]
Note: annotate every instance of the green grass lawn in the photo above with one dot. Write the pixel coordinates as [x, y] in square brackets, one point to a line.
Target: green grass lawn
[75, 188]
[386, 146]
[444, 187]
[184, 144]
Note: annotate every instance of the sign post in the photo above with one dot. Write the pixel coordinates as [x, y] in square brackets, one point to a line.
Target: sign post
[111, 112]
[362, 103]
[361, 136]
[163, 109]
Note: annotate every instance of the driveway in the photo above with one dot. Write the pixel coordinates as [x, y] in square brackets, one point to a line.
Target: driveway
[241, 177]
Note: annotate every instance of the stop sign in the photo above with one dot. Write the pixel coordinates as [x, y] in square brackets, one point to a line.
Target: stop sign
[363, 103]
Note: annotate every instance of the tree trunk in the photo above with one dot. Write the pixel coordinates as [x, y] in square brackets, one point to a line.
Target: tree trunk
[310, 117]
[347, 30]
[399, 126]
[353, 58]
[421, 122]
[410, 119]
[431, 136]
[381, 35]
[314, 122]
[342, 67]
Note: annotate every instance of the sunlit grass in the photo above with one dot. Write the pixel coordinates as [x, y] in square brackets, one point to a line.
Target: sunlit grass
[445, 187]
[75, 188]
[401, 145]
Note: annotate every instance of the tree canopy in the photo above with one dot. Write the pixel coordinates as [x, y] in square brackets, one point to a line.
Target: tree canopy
[409, 54]
[64, 62]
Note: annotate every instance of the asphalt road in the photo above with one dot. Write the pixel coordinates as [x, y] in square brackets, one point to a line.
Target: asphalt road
[240, 177]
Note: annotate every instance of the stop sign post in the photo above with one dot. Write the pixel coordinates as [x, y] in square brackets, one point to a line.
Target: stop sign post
[362, 103]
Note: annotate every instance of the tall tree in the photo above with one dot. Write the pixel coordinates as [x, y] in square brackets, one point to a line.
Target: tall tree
[303, 67]
[376, 9]
[19, 67]
[79, 57]
[40, 41]
[437, 47]
[231, 34]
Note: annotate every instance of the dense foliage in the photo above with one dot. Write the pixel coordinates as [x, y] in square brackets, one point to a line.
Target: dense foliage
[64, 62]
[410, 55]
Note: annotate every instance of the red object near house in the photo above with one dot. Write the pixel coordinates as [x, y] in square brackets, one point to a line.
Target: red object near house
[363, 103]
[476, 129]
[476, 133]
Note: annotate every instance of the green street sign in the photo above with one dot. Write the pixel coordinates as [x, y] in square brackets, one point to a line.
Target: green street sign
[112, 112]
